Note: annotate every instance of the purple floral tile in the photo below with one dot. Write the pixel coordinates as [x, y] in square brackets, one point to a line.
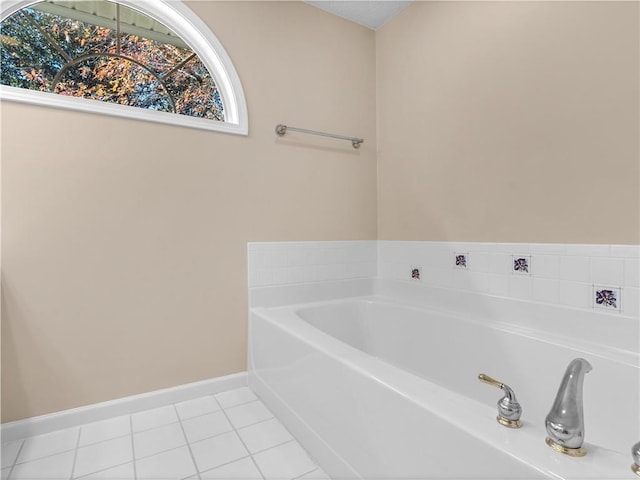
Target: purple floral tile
[461, 260]
[521, 264]
[606, 298]
[416, 273]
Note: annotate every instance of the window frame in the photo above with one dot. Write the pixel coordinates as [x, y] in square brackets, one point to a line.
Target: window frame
[195, 33]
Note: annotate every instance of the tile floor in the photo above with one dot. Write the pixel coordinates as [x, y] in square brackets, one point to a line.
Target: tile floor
[230, 436]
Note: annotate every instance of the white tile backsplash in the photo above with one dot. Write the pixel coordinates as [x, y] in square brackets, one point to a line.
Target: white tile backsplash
[498, 284]
[479, 261]
[547, 266]
[561, 274]
[607, 270]
[521, 287]
[631, 272]
[287, 263]
[626, 251]
[500, 263]
[546, 290]
[546, 249]
[587, 250]
[575, 294]
[575, 268]
[631, 304]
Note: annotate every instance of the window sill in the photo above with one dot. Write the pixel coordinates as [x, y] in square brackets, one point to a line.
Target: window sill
[47, 99]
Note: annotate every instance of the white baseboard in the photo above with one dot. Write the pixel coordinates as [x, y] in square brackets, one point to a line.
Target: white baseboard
[121, 406]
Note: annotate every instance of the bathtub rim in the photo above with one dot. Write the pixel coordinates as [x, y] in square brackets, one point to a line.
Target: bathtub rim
[613, 353]
[525, 445]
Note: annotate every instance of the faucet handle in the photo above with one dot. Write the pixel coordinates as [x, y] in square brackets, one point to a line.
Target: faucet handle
[509, 410]
[635, 452]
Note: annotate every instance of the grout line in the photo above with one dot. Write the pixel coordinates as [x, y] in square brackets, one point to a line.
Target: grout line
[177, 414]
[225, 464]
[274, 446]
[45, 456]
[152, 428]
[102, 441]
[88, 444]
[163, 451]
[258, 422]
[100, 471]
[75, 454]
[49, 454]
[237, 404]
[193, 458]
[223, 410]
[133, 448]
[15, 460]
[199, 440]
[245, 445]
[68, 450]
[306, 473]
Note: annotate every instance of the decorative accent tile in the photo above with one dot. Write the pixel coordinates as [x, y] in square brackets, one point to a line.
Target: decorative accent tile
[416, 273]
[607, 298]
[521, 264]
[461, 260]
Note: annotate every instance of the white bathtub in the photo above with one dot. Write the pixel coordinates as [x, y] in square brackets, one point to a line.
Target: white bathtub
[376, 389]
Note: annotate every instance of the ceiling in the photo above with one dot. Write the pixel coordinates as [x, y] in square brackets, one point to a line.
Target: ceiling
[369, 13]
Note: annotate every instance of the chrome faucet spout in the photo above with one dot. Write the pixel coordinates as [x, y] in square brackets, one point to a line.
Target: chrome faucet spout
[565, 421]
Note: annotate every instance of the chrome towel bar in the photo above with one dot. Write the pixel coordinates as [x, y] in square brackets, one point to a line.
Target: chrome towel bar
[282, 129]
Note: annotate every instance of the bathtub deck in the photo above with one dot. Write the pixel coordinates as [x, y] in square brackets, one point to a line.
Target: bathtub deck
[231, 435]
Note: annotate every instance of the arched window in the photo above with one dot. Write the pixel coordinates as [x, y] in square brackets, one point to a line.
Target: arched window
[153, 60]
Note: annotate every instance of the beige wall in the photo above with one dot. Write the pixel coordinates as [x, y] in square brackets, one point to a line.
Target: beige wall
[509, 121]
[124, 242]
